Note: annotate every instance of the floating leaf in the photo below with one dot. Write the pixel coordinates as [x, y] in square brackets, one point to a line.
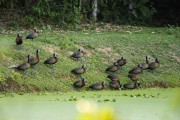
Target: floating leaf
[152, 96]
[138, 95]
[105, 100]
[64, 100]
[114, 100]
[131, 95]
[99, 100]
[72, 98]
[56, 99]
[124, 95]
[146, 96]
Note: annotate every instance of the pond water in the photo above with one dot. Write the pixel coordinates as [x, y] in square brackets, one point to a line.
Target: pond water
[149, 104]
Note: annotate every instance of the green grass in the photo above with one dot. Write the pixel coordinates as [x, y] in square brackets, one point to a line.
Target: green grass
[103, 48]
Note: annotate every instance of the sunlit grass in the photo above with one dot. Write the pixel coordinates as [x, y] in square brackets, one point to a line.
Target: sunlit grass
[102, 48]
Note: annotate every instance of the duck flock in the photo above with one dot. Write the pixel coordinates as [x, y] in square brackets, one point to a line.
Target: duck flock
[113, 84]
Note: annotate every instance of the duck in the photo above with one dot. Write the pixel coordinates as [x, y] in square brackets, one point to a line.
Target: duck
[136, 70]
[153, 65]
[33, 61]
[133, 77]
[79, 83]
[113, 77]
[121, 62]
[145, 65]
[115, 85]
[78, 54]
[19, 40]
[97, 86]
[51, 60]
[113, 68]
[79, 70]
[32, 35]
[23, 66]
[131, 85]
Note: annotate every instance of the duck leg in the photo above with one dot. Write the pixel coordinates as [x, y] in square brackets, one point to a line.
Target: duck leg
[122, 68]
[26, 74]
[53, 68]
[20, 46]
[17, 47]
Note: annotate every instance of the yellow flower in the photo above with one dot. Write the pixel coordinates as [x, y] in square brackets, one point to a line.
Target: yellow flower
[89, 111]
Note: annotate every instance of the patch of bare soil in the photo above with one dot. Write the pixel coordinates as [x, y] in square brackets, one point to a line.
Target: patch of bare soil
[86, 51]
[50, 48]
[105, 50]
[176, 57]
[66, 77]
[6, 58]
[70, 52]
[9, 85]
[105, 61]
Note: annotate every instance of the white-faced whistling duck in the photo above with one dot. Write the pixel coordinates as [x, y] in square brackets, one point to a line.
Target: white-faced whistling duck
[33, 61]
[19, 40]
[153, 65]
[131, 85]
[97, 86]
[113, 68]
[78, 54]
[121, 62]
[134, 77]
[79, 70]
[22, 67]
[113, 77]
[79, 83]
[145, 65]
[52, 60]
[115, 85]
[136, 70]
[32, 35]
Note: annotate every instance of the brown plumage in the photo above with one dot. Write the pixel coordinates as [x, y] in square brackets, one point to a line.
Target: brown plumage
[32, 35]
[113, 68]
[131, 85]
[79, 70]
[19, 39]
[121, 61]
[97, 86]
[78, 54]
[114, 85]
[34, 60]
[136, 70]
[79, 83]
[113, 77]
[145, 65]
[51, 60]
[133, 77]
[22, 66]
[154, 65]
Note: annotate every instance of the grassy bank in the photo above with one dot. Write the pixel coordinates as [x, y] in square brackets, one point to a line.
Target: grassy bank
[102, 49]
